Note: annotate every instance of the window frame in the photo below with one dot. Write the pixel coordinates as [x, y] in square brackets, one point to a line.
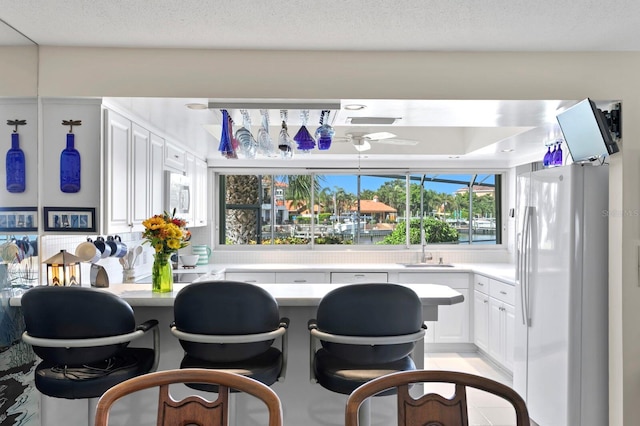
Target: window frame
[501, 211]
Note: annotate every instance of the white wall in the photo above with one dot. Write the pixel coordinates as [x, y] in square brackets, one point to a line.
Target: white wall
[411, 75]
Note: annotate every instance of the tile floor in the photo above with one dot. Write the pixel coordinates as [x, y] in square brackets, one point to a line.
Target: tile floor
[484, 409]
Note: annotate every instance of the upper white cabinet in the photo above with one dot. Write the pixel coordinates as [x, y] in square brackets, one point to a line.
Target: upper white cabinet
[156, 201]
[200, 193]
[174, 158]
[131, 176]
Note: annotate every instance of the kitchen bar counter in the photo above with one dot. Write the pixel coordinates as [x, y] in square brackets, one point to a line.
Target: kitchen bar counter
[304, 403]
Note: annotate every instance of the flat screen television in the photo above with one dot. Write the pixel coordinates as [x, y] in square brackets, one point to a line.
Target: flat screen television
[586, 132]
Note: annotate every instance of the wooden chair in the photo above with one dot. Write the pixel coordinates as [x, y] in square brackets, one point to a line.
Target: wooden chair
[433, 409]
[192, 410]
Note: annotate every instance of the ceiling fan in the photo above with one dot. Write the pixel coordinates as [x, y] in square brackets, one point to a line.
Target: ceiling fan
[362, 142]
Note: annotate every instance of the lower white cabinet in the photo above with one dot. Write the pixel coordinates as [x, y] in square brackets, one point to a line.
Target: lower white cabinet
[453, 321]
[301, 277]
[494, 319]
[251, 277]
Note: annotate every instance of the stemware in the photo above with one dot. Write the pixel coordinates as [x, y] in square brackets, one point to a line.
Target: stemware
[303, 138]
[325, 132]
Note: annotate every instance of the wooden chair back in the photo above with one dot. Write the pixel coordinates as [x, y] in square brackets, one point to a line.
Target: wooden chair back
[192, 410]
[433, 409]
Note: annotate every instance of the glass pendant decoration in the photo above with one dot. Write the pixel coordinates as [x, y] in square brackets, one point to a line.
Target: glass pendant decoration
[15, 162]
[225, 147]
[303, 138]
[247, 145]
[285, 143]
[265, 144]
[546, 160]
[70, 161]
[557, 156]
[325, 132]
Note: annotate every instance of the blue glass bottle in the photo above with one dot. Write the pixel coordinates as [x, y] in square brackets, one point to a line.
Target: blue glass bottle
[557, 156]
[546, 161]
[70, 167]
[15, 166]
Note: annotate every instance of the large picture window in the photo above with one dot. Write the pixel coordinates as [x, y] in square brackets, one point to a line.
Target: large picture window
[360, 209]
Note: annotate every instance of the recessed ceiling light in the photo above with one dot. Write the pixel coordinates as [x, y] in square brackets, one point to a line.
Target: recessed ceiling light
[197, 106]
[354, 107]
[454, 156]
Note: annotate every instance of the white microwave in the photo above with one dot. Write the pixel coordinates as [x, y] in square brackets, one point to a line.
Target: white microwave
[178, 195]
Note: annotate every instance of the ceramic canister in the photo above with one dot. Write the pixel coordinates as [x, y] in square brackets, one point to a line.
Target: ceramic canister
[204, 252]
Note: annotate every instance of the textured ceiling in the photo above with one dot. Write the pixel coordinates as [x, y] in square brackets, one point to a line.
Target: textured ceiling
[463, 25]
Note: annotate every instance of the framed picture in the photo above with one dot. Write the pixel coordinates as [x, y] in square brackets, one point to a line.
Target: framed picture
[70, 219]
[18, 219]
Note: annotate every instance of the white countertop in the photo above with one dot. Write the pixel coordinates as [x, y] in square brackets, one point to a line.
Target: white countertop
[286, 294]
[500, 271]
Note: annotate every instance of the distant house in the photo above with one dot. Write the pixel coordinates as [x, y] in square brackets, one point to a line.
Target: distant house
[479, 190]
[378, 210]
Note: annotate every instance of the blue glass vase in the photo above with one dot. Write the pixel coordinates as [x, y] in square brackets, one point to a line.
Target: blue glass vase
[304, 140]
[15, 166]
[70, 167]
[557, 156]
[546, 161]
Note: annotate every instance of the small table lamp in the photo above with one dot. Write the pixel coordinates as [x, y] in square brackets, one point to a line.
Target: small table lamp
[63, 269]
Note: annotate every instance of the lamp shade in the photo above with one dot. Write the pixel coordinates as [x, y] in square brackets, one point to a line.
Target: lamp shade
[63, 269]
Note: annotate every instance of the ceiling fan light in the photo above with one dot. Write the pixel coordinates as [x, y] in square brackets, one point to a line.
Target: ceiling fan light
[354, 107]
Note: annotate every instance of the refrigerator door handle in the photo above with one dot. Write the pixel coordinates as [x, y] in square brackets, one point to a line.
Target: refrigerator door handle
[522, 265]
[524, 288]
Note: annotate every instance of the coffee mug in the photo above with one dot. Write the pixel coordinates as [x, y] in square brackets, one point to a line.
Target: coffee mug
[88, 252]
[204, 253]
[104, 248]
[118, 248]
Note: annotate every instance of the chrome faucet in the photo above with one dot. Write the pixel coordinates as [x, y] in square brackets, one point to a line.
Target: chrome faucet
[425, 255]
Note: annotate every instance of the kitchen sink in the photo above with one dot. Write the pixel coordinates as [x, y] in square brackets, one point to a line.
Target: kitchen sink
[427, 265]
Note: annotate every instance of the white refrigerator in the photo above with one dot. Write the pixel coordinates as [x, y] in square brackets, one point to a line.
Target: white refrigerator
[561, 332]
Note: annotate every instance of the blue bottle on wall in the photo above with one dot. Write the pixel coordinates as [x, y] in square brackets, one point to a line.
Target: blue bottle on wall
[70, 167]
[15, 166]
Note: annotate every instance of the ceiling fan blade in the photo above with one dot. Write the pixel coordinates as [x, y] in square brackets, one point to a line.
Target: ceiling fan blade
[379, 135]
[397, 141]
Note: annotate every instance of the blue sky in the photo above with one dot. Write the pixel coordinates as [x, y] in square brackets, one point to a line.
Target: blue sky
[349, 183]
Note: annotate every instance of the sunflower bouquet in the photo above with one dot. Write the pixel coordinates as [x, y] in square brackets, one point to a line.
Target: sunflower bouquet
[166, 233]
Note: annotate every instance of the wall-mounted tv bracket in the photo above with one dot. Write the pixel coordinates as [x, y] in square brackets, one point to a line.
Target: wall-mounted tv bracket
[614, 120]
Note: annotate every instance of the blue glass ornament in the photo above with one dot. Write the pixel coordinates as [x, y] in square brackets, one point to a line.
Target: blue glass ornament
[325, 132]
[70, 167]
[304, 140]
[225, 147]
[15, 166]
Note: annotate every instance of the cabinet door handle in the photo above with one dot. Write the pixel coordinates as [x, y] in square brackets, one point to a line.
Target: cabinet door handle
[481, 284]
[299, 281]
[250, 281]
[359, 275]
[503, 292]
[485, 301]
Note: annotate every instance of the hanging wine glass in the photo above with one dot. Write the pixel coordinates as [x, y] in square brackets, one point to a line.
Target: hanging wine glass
[303, 138]
[265, 144]
[325, 132]
[225, 146]
[246, 142]
[285, 143]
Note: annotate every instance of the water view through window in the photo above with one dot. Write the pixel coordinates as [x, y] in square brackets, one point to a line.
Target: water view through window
[361, 209]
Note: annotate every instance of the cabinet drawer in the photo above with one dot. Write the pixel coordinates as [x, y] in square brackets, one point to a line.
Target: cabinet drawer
[301, 277]
[481, 283]
[252, 277]
[174, 157]
[502, 291]
[453, 280]
[358, 277]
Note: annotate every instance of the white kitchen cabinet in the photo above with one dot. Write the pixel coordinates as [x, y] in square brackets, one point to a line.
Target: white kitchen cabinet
[358, 277]
[156, 157]
[174, 158]
[494, 319]
[301, 277]
[251, 277]
[454, 320]
[129, 175]
[200, 193]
